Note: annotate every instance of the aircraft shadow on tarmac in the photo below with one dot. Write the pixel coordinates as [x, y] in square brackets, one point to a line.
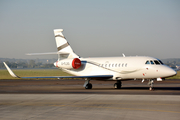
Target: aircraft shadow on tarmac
[138, 88]
[146, 88]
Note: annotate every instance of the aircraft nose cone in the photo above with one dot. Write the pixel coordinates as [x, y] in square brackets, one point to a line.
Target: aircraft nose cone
[172, 72]
[167, 72]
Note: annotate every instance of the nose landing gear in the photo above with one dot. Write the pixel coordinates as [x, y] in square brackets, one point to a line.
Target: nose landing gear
[151, 83]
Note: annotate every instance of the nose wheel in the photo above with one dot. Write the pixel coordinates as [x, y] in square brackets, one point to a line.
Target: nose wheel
[151, 83]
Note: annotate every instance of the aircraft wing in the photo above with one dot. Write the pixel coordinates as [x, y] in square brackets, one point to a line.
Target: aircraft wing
[97, 77]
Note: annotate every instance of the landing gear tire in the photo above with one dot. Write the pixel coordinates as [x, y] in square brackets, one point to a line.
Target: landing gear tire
[88, 86]
[151, 89]
[151, 83]
[117, 85]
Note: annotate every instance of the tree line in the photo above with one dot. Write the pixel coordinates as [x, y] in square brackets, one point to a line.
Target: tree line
[29, 64]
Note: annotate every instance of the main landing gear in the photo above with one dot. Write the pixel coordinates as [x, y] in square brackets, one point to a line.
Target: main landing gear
[151, 83]
[117, 85]
[87, 85]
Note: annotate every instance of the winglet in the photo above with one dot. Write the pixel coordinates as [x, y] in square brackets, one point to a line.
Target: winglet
[10, 71]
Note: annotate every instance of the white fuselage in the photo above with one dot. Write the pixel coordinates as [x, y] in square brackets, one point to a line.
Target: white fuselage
[122, 68]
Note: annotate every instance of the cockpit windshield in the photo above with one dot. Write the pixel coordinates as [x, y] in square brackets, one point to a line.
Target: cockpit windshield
[147, 62]
[154, 62]
[157, 62]
[161, 62]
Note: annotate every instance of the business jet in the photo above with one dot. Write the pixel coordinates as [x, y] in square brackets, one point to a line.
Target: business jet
[104, 68]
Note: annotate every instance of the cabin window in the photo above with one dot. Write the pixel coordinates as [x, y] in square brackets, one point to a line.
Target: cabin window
[112, 65]
[147, 62]
[126, 65]
[109, 65]
[119, 65]
[105, 65]
[122, 64]
[116, 65]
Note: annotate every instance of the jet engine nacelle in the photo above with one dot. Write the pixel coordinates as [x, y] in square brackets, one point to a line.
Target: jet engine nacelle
[71, 63]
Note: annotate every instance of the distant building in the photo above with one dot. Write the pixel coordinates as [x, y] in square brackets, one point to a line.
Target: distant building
[178, 67]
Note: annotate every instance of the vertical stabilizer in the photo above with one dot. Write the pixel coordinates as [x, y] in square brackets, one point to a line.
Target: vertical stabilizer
[63, 46]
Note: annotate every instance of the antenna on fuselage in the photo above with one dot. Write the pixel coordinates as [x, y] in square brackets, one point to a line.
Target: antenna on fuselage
[123, 55]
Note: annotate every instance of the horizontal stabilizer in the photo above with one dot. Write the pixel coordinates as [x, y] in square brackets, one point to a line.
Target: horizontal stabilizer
[97, 77]
[48, 53]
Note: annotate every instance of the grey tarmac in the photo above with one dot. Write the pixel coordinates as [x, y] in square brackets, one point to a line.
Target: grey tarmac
[68, 100]
[89, 107]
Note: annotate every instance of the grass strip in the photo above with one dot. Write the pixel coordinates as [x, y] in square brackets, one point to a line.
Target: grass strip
[32, 72]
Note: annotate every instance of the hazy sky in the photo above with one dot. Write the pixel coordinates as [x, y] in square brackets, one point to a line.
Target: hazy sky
[92, 27]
